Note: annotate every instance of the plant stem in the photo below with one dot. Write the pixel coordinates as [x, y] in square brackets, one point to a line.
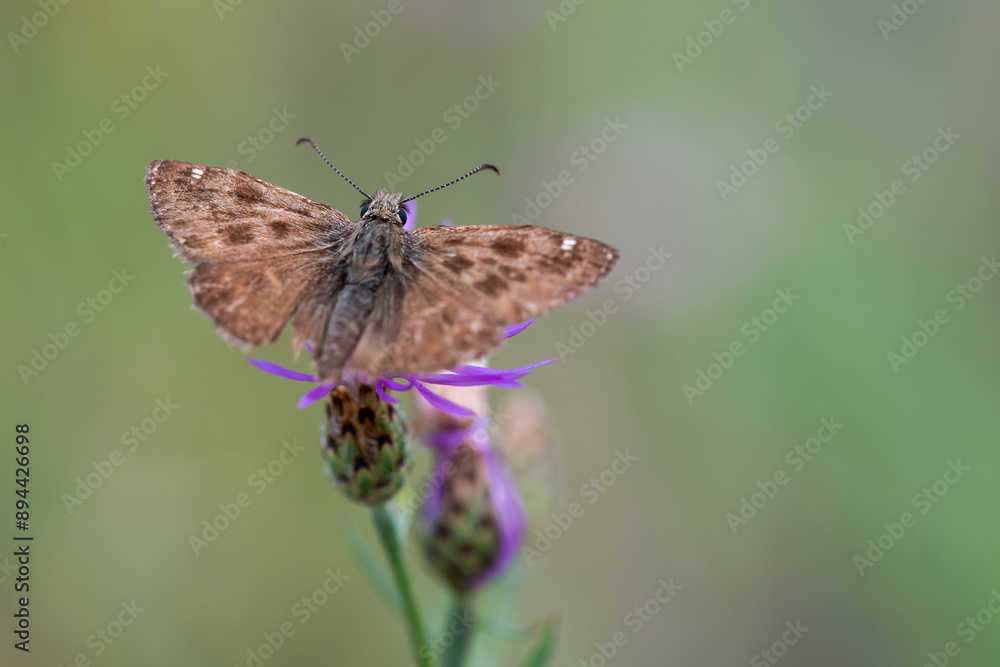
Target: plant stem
[457, 653]
[390, 541]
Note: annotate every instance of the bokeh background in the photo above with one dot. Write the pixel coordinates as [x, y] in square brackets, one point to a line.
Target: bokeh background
[893, 75]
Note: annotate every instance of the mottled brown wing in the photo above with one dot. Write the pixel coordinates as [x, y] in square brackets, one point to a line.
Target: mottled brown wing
[462, 285]
[257, 248]
[252, 301]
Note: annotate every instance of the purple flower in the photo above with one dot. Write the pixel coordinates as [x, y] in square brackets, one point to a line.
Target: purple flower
[473, 524]
[474, 520]
[463, 376]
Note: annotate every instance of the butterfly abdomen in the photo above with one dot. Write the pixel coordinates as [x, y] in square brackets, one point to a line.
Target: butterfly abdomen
[344, 328]
[369, 262]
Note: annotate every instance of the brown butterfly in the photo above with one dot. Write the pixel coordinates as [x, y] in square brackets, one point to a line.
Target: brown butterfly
[375, 299]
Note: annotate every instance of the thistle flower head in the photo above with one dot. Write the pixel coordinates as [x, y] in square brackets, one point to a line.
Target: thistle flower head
[472, 526]
[365, 444]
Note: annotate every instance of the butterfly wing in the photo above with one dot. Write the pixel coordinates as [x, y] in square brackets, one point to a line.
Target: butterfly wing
[257, 248]
[458, 287]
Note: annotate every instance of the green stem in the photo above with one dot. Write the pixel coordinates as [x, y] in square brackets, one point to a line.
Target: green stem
[457, 653]
[390, 541]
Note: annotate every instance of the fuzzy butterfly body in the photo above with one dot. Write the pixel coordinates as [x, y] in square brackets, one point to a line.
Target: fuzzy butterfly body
[375, 299]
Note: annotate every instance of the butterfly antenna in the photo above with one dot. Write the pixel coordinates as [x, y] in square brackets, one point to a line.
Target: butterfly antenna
[307, 140]
[474, 171]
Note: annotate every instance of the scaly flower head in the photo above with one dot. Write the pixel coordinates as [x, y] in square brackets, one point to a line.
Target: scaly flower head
[472, 526]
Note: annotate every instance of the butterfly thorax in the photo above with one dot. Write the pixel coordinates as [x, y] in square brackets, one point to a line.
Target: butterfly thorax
[376, 244]
[385, 206]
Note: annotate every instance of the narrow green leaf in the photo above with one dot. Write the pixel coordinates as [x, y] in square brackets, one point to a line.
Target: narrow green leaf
[370, 564]
[545, 648]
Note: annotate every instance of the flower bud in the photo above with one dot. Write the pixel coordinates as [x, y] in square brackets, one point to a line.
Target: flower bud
[365, 444]
[473, 524]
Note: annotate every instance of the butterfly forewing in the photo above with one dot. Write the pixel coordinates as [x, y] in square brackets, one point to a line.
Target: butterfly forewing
[257, 248]
[223, 215]
[463, 285]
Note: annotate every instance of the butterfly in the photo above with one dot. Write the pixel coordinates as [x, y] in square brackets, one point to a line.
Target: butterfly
[373, 298]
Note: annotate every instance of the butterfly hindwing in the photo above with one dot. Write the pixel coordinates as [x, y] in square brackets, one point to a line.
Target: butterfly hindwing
[252, 301]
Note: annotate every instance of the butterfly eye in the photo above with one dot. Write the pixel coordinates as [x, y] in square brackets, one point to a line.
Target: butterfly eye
[402, 214]
[364, 210]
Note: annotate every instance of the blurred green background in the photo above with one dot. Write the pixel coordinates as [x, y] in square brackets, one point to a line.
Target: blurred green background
[226, 70]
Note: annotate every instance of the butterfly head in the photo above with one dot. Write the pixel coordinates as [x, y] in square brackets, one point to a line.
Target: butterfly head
[384, 206]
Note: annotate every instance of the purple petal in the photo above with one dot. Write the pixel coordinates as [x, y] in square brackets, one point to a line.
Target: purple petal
[315, 394]
[411, 215]
[531, 367]
[442, 403]
[469, 369]
[447, 223]
[457, 380]
[490, 373]
[281, 371]
[471, 376]
[465, 381]
[397, 386]
[515, 329]
[383, 394]
[508, 511]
